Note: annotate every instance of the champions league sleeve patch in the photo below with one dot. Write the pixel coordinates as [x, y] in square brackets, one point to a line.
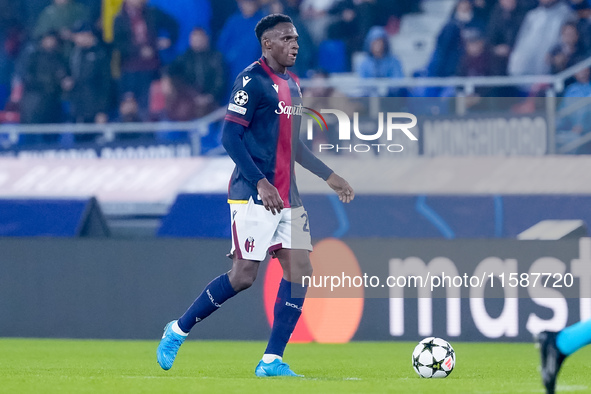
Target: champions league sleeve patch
[235, 108]
[241, 97]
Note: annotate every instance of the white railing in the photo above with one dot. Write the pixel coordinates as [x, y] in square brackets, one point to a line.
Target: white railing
[468, 84]
[200, 125]
[465, 85]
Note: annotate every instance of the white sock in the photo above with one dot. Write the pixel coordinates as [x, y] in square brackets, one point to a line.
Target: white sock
[177, 330]
[269, 358]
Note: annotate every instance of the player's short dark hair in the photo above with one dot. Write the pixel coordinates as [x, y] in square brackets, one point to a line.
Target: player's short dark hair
[269, 22]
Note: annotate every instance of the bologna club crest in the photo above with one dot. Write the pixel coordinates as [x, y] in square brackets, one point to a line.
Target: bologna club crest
[249, 244]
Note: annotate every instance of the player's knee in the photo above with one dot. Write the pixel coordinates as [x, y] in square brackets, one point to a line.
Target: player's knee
[303, 268]
[308, 271]
[242, 280]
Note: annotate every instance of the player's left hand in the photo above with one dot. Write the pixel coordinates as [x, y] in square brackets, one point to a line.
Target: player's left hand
[341, 187]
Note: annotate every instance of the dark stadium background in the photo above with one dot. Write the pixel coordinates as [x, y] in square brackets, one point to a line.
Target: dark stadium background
[113, 177]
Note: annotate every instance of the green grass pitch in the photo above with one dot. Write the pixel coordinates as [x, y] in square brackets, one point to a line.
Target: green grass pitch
[80, 366]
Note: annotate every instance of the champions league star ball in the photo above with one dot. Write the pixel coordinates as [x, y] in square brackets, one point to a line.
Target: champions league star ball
[433, 358]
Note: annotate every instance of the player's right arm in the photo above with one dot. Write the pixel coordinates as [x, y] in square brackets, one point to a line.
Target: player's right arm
[269, 196]
[232, 139]
[241, 109]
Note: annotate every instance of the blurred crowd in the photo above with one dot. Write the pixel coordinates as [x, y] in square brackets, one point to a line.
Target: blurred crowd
[139, 60]
[512, 37]
[92, 61]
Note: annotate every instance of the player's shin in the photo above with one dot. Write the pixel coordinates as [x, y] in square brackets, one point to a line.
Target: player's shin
[211, 299]
[288, 309]
[574, 337]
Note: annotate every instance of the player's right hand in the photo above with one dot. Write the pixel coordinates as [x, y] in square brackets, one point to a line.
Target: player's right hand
[270, 196]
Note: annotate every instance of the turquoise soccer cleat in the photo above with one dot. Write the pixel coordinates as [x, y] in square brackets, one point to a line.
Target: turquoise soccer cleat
[275, 368]
[169, 346]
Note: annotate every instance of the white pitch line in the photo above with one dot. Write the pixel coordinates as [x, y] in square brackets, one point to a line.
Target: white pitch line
[165, 377]
[559, 387]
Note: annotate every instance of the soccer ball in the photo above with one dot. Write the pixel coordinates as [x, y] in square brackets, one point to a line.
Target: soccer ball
[433, 358]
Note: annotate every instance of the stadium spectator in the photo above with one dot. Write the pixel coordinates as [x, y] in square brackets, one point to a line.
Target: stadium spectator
[138, 36]
[527, 5]
[197, 80]
[43, 72]
[128, 109]
[449, 48]
[264, 4]
[578, 123]
[367, 15]
[240, 49]
[583, 11]
[379, 61]
[539, 32]
[90, 77]
[476, 62]
[31, 10]
[315, 13]
[483, 10]
[221, 10]
[292, 7]
[94, 8]
[352, 23]
[188, 14]
[568, 51]
[502, 31]
[180, 101]
[61, 17]
[307, 51]
[129, 112]
[11, 37]
[11, 16]
[579, 5]
[388, 10]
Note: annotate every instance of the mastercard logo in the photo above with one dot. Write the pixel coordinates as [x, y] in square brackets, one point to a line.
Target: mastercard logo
[327, 316]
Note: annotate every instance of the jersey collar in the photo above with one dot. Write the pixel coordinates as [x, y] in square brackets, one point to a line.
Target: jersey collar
[269, 70]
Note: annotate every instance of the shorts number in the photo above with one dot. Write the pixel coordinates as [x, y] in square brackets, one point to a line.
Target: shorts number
[305, 228]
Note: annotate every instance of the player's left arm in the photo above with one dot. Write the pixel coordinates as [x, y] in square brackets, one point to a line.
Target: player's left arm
[306, 158]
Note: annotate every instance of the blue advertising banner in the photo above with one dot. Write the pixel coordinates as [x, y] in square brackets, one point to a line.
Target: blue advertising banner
[362, 289]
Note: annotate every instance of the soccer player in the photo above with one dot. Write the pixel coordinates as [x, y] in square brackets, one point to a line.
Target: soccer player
[556, 346]
[261, 135]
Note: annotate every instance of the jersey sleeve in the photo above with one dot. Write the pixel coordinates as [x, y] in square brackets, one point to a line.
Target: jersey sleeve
[232, 134]
[243, 100]
[306, 158]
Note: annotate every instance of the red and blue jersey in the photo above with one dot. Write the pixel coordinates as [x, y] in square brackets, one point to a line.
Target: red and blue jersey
[269, 107]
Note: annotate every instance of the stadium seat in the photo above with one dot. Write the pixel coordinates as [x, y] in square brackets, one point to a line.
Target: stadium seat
[197, 215]
[51, 218]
